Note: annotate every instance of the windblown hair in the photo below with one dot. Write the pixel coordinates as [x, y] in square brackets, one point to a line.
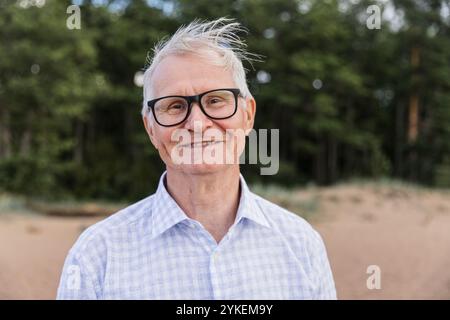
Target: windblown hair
[217, 41]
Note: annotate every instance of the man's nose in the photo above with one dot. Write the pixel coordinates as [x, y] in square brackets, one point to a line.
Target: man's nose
[197, 117]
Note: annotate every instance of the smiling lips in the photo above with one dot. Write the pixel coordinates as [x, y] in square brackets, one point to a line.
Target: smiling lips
[200, 144]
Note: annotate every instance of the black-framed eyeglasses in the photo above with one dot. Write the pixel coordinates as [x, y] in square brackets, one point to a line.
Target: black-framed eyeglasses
[216, 104]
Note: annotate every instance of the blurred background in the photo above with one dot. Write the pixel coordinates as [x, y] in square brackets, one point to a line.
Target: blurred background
[363, 113]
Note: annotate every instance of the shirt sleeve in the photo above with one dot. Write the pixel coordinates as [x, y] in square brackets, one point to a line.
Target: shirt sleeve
[325, 287]
[76, 282]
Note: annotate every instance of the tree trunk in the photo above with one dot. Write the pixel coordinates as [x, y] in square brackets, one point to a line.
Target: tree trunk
[321, 163]
[399, 140]
[413, 118]
[79, 133]
[332, 160]
[5, 135]
[25, 142]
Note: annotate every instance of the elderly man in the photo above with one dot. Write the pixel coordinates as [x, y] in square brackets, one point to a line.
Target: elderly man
[203, 234]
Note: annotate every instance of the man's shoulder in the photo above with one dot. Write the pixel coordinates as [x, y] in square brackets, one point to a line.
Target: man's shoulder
[119, 224]
[299, 234]
[287, 222]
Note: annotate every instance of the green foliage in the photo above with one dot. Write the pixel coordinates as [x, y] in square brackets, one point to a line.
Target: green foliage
[339, 93]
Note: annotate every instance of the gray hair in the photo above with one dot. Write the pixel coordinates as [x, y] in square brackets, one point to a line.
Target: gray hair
[204, 38]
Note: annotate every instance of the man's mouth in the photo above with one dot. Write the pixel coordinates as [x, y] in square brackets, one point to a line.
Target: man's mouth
[199, 144]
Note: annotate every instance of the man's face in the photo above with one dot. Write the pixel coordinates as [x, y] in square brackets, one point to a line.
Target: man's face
[188, 75]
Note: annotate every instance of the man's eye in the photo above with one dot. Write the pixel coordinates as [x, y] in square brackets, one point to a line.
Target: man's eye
[215, 100]
[175, 107]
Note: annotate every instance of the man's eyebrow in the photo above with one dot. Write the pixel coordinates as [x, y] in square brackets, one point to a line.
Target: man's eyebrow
[194, 94]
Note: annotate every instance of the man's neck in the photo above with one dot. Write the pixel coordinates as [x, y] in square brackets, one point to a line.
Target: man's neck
[211, 199]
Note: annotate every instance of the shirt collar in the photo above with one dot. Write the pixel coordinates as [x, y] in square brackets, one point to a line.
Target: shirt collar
[166, 213]
[248, 208]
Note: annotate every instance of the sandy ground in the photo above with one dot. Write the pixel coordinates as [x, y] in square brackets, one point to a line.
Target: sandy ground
[404, 231]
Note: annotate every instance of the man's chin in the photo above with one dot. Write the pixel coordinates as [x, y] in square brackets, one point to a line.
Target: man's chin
[201, 168]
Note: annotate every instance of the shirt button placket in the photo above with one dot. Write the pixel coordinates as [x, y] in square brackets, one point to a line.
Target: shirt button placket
[215, 275]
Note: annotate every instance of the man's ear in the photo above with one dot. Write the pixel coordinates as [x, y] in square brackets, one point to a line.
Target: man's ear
[148, 124]
[249, 112]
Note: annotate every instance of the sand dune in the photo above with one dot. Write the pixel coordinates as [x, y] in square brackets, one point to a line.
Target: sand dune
[405, 231]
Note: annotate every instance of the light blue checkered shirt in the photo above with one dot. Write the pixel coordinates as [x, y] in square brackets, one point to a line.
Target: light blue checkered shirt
[152, 250]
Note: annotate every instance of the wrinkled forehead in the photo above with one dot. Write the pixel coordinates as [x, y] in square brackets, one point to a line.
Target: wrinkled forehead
[189, 75]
